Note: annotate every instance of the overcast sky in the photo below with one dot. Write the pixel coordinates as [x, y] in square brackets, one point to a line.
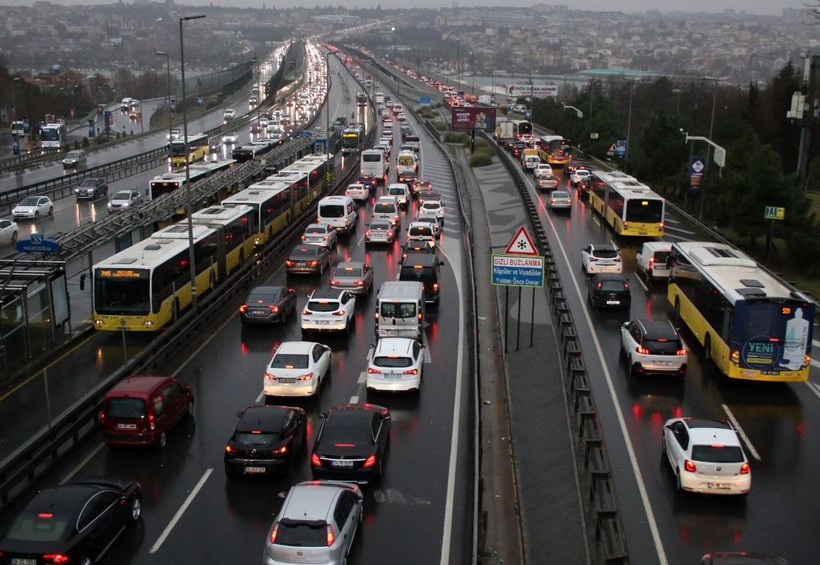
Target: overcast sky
[770, 7]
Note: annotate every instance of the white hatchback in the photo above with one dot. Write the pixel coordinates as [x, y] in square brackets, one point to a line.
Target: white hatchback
[432, 208]
[601, 258]
[298, 368]
[32, 207]
[328, 310]
[706, 456]
[357, 192]
[395, 364]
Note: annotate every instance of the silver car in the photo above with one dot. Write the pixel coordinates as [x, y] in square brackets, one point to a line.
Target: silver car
[317, 524]
[355, 277]
[380, 231]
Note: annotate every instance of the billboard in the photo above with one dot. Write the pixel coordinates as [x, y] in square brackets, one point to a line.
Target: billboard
[469, 117]
[539, 90]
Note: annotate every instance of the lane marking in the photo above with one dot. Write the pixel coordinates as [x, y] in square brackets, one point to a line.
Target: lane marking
[362, 377]
[451, 475]
[815, 363]
[167, 531]
[354, 400]
[82, 464]
[653, 526]
[640, 282]
[814, 388]
[740, 431]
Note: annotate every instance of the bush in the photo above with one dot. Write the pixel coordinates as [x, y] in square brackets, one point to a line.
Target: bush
[453, 137]
[481, 159]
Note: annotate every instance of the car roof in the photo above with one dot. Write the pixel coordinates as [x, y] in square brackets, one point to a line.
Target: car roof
[708, 432]
[297, 347]
[346, 264]
[609, 277]
[422, 259]
[264, 418]
[325, 294]
[312, 500]
[137, 384]
[658, 329]
[394, 345]
[602, 246]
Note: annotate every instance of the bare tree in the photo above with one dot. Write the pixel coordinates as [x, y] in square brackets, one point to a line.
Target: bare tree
[813, 8]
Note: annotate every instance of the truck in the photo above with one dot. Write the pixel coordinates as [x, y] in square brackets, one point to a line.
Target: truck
[379, 98]
[504, 132]
[486, 100]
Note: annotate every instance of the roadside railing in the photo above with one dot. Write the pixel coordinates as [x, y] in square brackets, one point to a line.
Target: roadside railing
[607, 541]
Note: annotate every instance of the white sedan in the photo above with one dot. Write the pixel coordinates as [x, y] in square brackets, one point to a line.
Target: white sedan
[32, 207]
[8, 231]
[706, 456]
[328, 310]
[298, 368]
[432, 208]
[230, 138]
[395, 364]
[320, 234]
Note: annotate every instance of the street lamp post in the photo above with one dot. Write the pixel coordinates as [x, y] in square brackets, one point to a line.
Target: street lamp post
[628, 124]
[188, 200]
[678, 92]
[14, 82]
[532, 97]
[327, 114]
[168, 74]
[711, 126]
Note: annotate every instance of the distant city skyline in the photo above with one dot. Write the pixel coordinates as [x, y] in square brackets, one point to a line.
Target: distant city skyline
[762, 7]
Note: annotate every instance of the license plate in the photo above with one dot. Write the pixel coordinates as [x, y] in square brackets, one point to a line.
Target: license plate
[23, 561]
[322, 322]
[343, 463]
[254, 470]
[286, 380]
[258, 312]
[718, 485]
[663, 363]
[392, 375]
[613, 301]
[301, 264]
[126, 426]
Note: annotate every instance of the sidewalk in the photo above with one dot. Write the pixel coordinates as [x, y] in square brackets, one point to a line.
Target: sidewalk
[530, 493]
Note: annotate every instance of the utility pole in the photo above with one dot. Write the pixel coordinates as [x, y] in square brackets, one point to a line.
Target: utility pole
[806, 108]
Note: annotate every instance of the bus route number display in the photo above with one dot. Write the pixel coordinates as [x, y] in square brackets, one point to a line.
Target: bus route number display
[122, 274]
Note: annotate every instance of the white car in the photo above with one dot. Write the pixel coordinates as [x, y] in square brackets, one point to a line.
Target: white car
[422, 231]
[706, 456]
[124, 199]
[358, 192]
[320, 234]
[542, 169]
[229, 114]
[651, 260]
[432, 208]
[579, 176]
[8, 231]
[601, 258]
[653, 346]
[395, 364]
[32, 207]
[298, 368]
[400, 191]
[431, 221]
[230, 138]
[328, 310]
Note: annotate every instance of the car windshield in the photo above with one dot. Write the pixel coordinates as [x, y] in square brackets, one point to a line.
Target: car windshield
[717, 453]
[255, 438]
[322, 305]
[396, 191]
[73, 155]
[332, 211]
[420, 231]
[289, 361]
[39, 527]
[29, 201]
[316, 229]
[380, 226]
[122, 196]
[261, 297]
[125, 408]
[298, 533]
[88, 182]
[606, 253]
[308, 252]
[398, 310]
[661, 346]
[392, 361]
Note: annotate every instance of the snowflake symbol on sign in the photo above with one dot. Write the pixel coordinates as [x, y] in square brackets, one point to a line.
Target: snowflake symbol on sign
[521, 244]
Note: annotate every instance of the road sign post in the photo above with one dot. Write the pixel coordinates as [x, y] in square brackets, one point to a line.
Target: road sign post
[773, 213]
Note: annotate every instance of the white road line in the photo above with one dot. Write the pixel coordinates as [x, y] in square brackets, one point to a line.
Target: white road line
[653, 526]
[814, 388]
[451, 476]
[167, 531]
[362, 377]
[740, 431]
[640, 282]
[815, 363]
[82, 464]
[815, 343]
[354, 400]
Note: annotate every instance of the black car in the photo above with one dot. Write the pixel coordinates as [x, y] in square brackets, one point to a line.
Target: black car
[91, 187]
[267, 440]
[423, 267]
[608, 290]
[352, 443]
[72, 523]
[517, 147]
[369, 182]
[268, 305]
[308, 259]
[408, 177]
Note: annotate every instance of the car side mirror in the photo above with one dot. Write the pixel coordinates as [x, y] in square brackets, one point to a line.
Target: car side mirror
[441, 262]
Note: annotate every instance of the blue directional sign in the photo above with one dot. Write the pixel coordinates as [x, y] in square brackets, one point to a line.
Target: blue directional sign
[424, 100]
[518, 270]
[304, 133]
[38, 244]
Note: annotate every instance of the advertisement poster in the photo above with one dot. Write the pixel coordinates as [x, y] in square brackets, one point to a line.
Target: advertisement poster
[696, 174]
[473, 118]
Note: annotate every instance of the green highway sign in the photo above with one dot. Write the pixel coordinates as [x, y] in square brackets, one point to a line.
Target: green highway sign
[774, 213]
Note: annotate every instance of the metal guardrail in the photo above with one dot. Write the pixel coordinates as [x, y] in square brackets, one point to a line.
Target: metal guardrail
[601, 511]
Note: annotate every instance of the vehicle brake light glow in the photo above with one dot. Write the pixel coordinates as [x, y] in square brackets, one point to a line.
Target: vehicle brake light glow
[229, 449]
[745, 469]
[331, 536]
[273, 309]
[344, 444]
[56, 558]
[314, 460]
[273, 532]
[411, 372]
[642, 350]
[680, 351]
[370, 461]
[45, 515]
[689, 466]
[243, 308]
[306, 377]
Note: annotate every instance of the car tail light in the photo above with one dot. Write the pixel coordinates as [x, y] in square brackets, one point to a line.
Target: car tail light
[680, 351]
[744, 469]
[313, 263]
[642, 350]
[592, 259]
[304, 237]
[396, 218]
[305, 377]
[243, 308]
[689, 466]
[272, 537]
[151, 421]
[367, 233]
[306, 312]
[333, 281]
[229, 449]
[331, 535]
[315, 461]
[273, 309]
[411, 372]
[435, 287]
[373, 371]
[359, 283]
[339, 313]
[289, 263]
[56, 558]
[651, 262]
[370, 461]
[282, 450]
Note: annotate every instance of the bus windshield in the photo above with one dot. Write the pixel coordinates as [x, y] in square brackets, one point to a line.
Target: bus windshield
[120, 296]
[641, 210]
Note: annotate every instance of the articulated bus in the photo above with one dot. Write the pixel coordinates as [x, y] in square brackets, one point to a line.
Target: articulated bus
[146, 286]
[351, 139]
[522, 131]
[629, 207]
[237, 229]
[174, 180]
[271, 210]
[198, 149]
[750, 324]
[554, 149]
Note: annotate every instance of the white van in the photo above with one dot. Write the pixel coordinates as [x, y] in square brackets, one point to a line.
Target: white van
[400, 191]
[407, 163]
[400, 309]
[373, 165]
[339, 212]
